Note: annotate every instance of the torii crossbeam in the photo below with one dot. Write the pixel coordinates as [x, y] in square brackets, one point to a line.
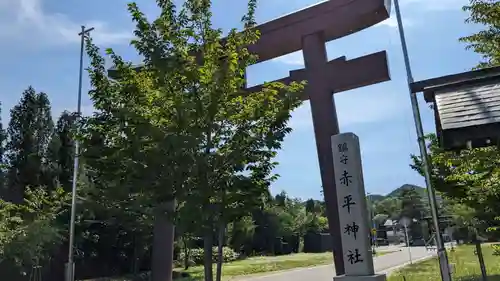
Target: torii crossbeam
[309, 30]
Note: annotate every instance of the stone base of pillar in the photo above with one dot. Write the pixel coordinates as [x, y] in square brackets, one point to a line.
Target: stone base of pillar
[376, 277]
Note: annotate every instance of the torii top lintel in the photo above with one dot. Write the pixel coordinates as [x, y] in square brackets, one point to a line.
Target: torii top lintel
[335, 18]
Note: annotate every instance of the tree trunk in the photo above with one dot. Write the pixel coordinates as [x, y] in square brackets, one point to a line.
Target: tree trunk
[187, 253]
[220, 255]
[207, 252]
[135, 260]
[163, 244]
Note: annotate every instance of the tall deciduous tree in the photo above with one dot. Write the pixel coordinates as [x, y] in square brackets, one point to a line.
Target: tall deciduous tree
[29, 134]
[182, 126]
[487, 41]
[470, 177]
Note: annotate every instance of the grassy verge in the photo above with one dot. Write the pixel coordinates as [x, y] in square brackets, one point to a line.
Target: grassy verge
[465, 263]
[256, 265]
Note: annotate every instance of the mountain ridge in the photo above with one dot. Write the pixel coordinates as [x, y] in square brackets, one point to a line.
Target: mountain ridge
[397, 193]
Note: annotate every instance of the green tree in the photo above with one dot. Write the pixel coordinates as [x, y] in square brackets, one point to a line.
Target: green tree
[318, 221]
[411, 204]
[390, 206]
[29, 232]
[63, 137]
[3, 138]
[29, 134]
[241, 232]
[468, 177]
[487, 41]
[181, 127]
[240, 197]
[380, 219]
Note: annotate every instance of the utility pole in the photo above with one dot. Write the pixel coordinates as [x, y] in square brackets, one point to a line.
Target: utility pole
[443, 258]
[373, 225]
[70, 266]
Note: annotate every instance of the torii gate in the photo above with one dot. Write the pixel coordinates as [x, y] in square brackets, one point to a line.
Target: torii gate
[309, 29]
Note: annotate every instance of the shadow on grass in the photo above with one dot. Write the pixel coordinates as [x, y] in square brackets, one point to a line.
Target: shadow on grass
[146, 276]
[495, 277]
[464, 278]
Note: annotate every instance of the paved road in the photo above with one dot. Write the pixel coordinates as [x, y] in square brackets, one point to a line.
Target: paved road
[326, 273]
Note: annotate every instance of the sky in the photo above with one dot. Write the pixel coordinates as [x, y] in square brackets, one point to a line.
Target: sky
[40, 47]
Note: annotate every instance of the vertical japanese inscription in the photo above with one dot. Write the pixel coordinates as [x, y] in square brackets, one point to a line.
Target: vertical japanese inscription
[352, 205]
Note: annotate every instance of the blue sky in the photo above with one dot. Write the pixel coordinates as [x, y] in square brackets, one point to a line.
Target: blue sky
[40, 47]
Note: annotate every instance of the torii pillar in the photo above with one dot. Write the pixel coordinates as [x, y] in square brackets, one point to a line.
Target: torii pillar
[309, 30]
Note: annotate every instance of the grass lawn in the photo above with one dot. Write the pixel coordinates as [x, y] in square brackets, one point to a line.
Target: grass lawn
[255, 265]
[466, 267]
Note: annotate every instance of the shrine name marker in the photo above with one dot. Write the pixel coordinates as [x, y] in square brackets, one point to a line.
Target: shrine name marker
[353, 214]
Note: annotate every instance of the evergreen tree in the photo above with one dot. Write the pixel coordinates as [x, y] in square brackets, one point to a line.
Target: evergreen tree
[2, 156]
[29, 135]
[413, 208]
[487, 41]
[64, 137]
[411, 204]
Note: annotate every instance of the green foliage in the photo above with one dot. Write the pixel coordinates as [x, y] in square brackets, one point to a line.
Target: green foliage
[29, 135]
[318, 224]
[462, 215]
[196, 255]
[29, 232]
[390, 206]
[380, 218]
[3, 138]
[486, 42]
[290, 215]
[240, 232]
[182, 126]
[63, 154]
[411, 204]
[496, 249]
[470, 177]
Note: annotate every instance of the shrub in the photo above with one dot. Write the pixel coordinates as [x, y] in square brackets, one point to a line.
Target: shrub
[496, 249]
[196, 257]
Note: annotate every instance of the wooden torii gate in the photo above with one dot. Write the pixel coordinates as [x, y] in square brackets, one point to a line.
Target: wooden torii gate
[308, 30]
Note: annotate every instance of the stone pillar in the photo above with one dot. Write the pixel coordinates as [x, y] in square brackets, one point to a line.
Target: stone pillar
[353, 212]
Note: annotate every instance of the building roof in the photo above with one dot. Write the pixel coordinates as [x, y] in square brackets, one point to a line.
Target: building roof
[472, 105]
[466, 107]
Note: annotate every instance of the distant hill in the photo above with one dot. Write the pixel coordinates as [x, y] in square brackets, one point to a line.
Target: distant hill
[376, 197]
[397, 192]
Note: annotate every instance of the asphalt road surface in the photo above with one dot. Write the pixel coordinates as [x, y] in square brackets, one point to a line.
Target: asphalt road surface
[383, 264]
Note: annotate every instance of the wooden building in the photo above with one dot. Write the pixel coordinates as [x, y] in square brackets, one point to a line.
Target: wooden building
[466, 107]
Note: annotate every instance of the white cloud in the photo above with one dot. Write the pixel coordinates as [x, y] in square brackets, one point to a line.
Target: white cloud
[436, 4]
[392, 22]
[27, 22]
[295, 59]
